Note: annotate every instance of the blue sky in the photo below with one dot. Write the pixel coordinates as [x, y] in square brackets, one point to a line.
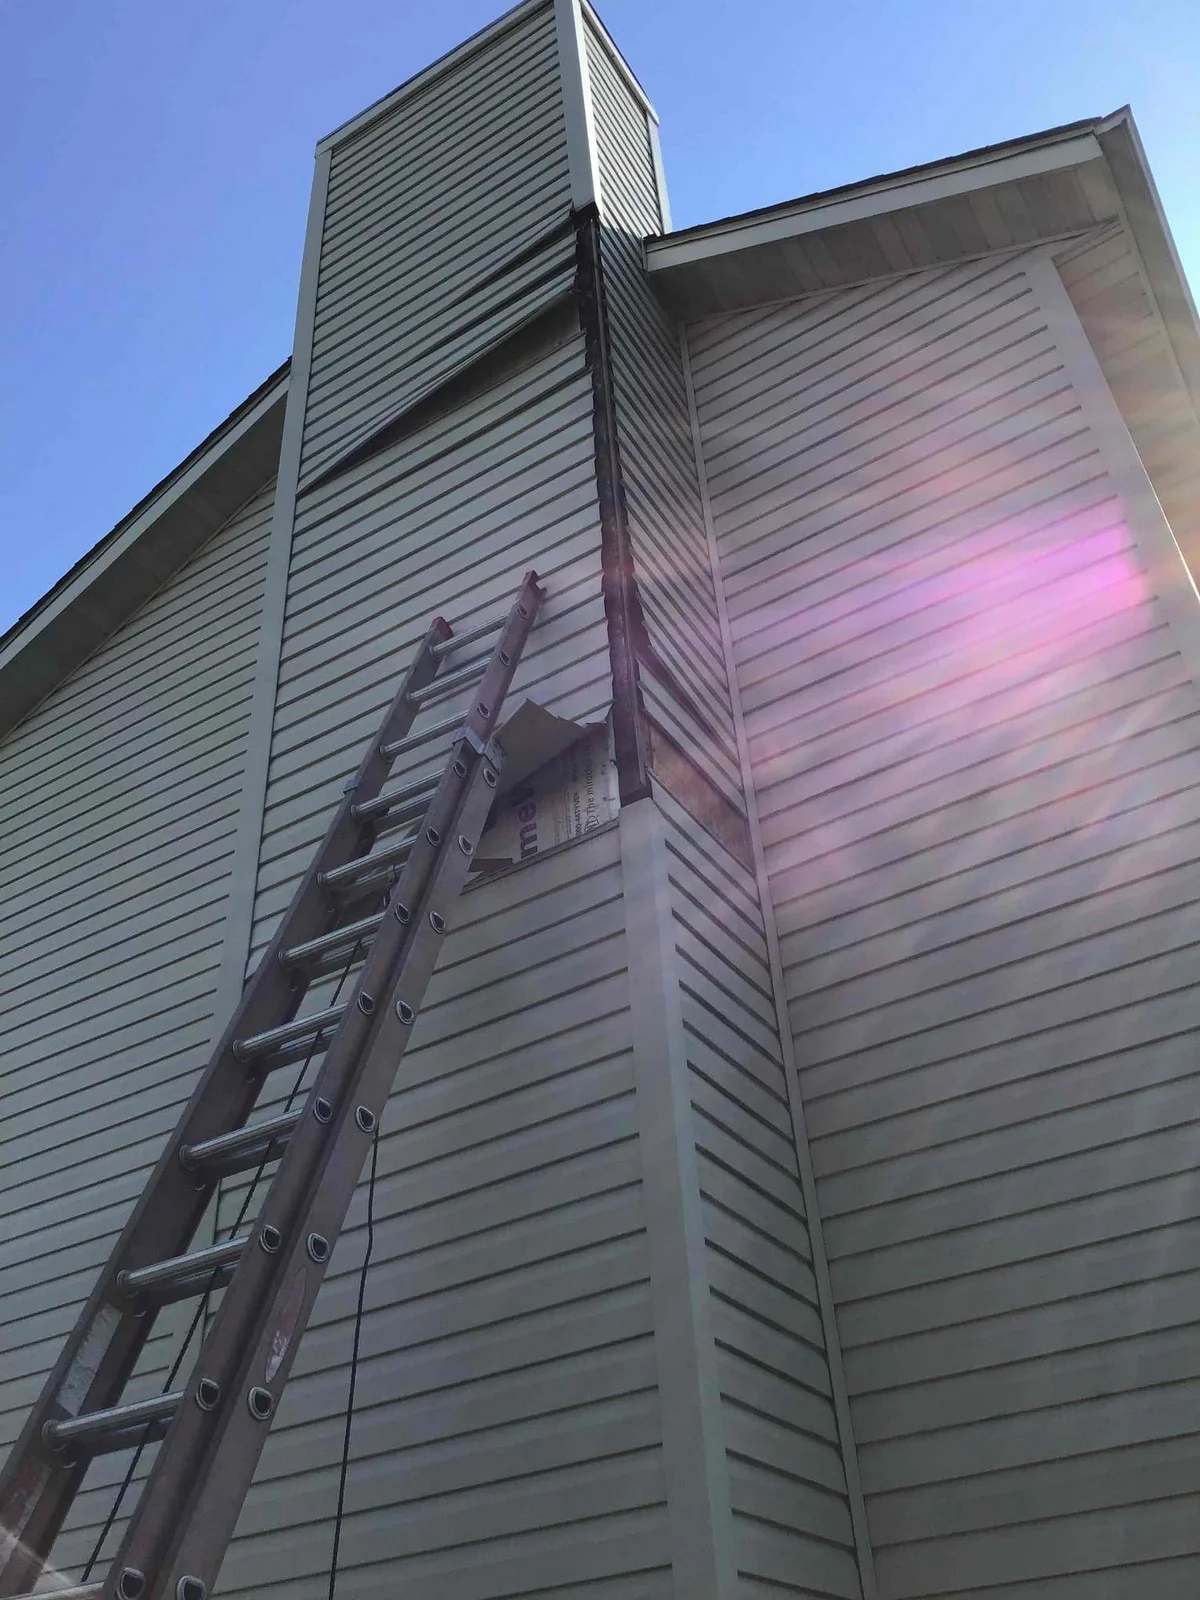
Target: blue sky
[155, 161]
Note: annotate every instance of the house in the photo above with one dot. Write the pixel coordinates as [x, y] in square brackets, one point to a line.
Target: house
[790, 1187]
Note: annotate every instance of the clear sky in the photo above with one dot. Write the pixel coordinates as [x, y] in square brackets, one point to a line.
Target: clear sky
[156, 155]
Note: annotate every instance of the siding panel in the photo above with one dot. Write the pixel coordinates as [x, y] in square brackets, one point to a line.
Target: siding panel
[119, 798]
[976, 753]
[791, 1518]
[658, 465]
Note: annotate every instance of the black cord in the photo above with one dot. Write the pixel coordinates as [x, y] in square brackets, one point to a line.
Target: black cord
[358, 1317]
[202, 1305]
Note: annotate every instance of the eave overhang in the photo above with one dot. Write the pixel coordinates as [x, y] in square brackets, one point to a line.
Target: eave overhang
[91, 601]
[1046, 188]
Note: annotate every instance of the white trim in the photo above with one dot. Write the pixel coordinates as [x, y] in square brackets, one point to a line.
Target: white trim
[1165, 568]
[436, 69]
[239, 912]
[574, 78]
[808, 1182]
[128, 537]
[699, 1513]
[869, 200]
[660, 174]
[619, 61]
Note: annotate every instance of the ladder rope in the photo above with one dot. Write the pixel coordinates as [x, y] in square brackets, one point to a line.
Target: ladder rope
[358, 1318]
[201, 1311]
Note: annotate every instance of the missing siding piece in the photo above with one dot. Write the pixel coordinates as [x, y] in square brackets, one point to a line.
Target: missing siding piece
[621, 605]
[519, 348]
[704, 803]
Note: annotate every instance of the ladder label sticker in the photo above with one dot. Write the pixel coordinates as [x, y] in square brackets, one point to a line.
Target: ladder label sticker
[286, 1328]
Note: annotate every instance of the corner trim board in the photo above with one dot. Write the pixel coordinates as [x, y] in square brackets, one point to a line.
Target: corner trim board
[1166, 570]
[808, 1182]
[582, 157]
[699, 1515]
[239, 916]
[618, 581]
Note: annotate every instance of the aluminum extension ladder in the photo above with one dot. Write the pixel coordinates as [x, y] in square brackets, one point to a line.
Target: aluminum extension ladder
[213, 1429]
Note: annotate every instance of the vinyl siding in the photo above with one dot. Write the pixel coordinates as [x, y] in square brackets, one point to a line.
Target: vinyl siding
[666, 523]
[976, 755]
[120, 797]
[787, 1486]
[507, 1434]
[446, 521]
[427, 208]
[1104, 280]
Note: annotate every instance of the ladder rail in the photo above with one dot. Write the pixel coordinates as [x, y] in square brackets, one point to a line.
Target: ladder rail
[37, 1486]
[320, 1151]
[182, 1524]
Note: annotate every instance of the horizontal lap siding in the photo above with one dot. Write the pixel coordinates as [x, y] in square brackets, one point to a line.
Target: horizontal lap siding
[427, 210]
[506, 1435]
[120, 798]
[445, 522]
[792, 1523]
[666, 522]
[977, 760]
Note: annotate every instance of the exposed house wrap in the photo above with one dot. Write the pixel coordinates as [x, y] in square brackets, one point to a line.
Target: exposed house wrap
[788, 1190]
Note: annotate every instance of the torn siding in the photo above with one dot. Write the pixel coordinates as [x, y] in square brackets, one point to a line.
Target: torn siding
[674, 581]
[976, 751]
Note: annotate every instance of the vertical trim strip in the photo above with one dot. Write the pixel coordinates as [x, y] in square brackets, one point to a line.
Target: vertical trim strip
[622, 608]
[699, 1514]
[577, 104]
[660, 176]
[1152, 535]
[808, 1182]
[239, 916]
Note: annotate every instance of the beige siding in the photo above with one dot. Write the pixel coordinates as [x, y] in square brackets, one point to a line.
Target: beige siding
[666, 522]
[786, 1483]
[120, 798]
[428, 208]
[507, 1434]
[977, 755]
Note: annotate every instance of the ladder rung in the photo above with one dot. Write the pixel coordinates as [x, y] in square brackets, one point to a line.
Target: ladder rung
[112, 1420]
[413, 799]
[177, 1270]
[455, 680]
[348, 934]
[367, 866]
[317, 1022]
[433, 731]
[242, 1144]
[457, 640]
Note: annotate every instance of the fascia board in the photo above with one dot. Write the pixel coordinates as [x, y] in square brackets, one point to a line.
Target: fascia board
[59, 635]
[436, 69]
[871, 200]
[619, 61]
[1147, 223]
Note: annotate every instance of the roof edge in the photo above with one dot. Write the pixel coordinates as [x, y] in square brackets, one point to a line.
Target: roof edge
[1041, 152]
[119, 573]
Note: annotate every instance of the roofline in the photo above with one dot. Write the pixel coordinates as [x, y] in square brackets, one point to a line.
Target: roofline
[427, 75]
[1113, 139]
[1064, 146]
[96, 595]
